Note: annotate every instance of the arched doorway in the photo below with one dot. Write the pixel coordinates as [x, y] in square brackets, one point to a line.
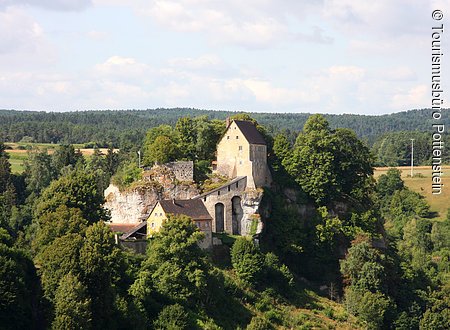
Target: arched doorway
[219, 216]
[236, 214]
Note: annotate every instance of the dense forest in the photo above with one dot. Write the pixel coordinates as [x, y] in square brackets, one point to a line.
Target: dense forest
[107, 126]
[126, 129]
[374, 245]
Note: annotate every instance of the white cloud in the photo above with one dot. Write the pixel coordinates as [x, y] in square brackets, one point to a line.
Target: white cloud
[251, 24]
[22, 41]
[124, 69]
[63, 5]
[415, 97]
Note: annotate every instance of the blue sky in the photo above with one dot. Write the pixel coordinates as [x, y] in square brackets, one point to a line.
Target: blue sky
[326, 56]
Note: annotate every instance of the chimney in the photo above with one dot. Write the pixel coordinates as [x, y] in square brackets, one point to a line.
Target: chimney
[228, 121]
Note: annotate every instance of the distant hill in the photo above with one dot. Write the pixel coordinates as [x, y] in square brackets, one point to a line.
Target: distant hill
[111, 126]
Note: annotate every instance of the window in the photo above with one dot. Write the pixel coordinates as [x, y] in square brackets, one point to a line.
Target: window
[240, 162]
[240, 147]
[237, 137]
[218, 192]
[207, 224]
[228, 188]
[228, 137]
[204, 199]
[153, 225]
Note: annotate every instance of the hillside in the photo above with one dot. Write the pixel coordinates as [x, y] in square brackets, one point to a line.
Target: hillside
[115, 126]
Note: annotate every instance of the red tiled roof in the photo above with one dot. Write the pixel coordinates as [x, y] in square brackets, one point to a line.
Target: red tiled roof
[193, 208]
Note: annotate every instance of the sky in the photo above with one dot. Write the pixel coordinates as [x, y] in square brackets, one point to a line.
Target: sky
[317, 56]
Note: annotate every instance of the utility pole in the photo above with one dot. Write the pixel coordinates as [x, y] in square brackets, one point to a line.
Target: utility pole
[412, 157]
[139, 153]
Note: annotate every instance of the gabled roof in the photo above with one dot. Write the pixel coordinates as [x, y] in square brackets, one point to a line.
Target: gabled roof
[193, 208]
[121, 227]
[250, 132]
[134, 231]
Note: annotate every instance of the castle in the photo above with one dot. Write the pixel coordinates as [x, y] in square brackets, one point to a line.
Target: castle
[233, 207]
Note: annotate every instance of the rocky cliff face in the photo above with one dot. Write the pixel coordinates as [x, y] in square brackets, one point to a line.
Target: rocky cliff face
[134, 205]
[251, 223]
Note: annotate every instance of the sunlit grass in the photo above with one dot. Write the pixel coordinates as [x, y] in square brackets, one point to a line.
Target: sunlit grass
[421, 183]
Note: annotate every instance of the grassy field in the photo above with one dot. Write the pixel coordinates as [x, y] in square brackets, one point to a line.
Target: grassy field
[18, 152]
[421, 183]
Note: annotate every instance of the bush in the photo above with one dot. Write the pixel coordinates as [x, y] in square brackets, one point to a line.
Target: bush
[172, 317]
[259, 323]
[247, 261]
[126, 175]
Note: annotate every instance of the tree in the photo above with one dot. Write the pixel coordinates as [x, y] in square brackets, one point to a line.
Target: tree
[76, 189]
[72, 305]
[39, 171]
[437, 315]
[100, 265]
[247, 260]
[208, 135]
[172, 317]
[187, 137]
[161, 151]
[19, 287]
[7, 190]
[65, 155]
[330, 165]
[57, 260]
[372, 308]
[150, 138]
[5, 169]
[362, 267]
[56, 224]
[175, 263]
[389, 183]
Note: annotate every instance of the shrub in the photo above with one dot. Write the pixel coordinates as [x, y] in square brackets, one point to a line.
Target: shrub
[247, 261]
[172, 317]
[259, 323]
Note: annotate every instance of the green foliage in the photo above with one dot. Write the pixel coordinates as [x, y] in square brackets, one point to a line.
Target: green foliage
[408, 203]
[187, 136]
[373, 308]
[160, 145]
[100, 270]
[39, 171]
[259, 323]
[172, 317]
[362, 268]
[58, 259]
[127, 173]
[72, 305]
[247, 261]
[19, 287]
[76, 189]
[277, 274]
[161, 151]
[175, 263]
[437, 315]
[389, 183]
[330, 165]
[394, 148]
[56, 224]
[65, 155]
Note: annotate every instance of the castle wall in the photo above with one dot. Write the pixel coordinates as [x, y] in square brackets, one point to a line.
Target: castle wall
[224, 195]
